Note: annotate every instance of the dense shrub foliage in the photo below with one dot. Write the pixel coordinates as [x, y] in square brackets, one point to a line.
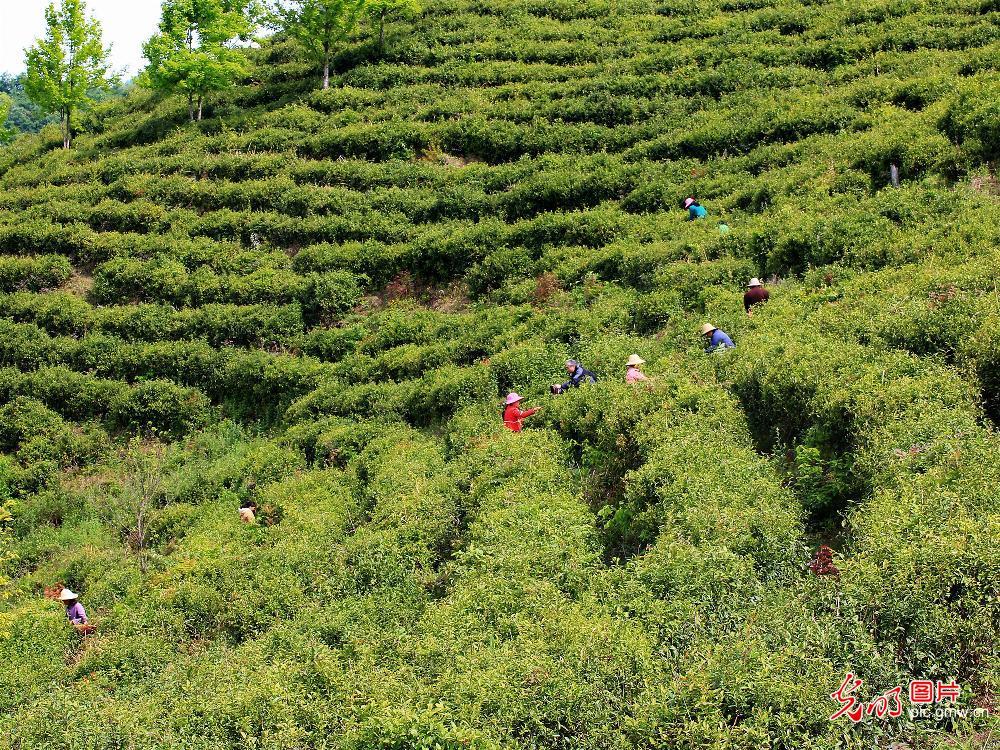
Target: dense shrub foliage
[313, 302]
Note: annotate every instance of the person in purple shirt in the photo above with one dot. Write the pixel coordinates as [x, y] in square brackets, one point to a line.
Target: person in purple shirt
[75, 612]
[716, 339]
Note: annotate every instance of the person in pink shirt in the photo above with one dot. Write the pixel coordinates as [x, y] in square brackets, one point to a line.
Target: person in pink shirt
[632, 372]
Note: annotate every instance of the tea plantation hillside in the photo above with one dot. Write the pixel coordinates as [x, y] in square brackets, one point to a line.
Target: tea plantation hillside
[317, 300]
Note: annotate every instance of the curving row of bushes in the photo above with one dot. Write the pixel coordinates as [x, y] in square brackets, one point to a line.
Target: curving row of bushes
[65, 314]
[253, 382]
[157, 405]
[323, 297]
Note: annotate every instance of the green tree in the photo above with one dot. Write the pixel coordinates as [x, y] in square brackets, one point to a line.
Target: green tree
[197, 50]
[6, 134]
[382, 11]
[25, 116]
[68, 65]
[319, 26]
[141, 488]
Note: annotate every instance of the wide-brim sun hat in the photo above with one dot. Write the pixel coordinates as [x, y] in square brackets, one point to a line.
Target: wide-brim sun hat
[754, 282]
[688, 202]
[513, 398]
[67, 596]
[634, 360]
[707, 329]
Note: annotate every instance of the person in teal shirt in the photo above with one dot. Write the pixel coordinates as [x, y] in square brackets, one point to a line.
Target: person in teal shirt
[695, 209]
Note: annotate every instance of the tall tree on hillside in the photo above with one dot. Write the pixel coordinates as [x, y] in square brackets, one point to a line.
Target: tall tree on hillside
[319, 26]
[382, 11]
[197, 50]
[68, 65]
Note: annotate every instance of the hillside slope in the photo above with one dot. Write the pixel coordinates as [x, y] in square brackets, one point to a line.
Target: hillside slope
[316, 300]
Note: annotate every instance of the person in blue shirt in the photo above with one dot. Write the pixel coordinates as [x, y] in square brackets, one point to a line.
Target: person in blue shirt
[717, 340]
[695, 209]
[577, 375]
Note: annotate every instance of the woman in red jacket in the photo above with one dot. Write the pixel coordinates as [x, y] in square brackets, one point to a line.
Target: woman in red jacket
[512, 414]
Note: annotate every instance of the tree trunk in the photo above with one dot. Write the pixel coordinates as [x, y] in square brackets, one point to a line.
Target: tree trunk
[191, 107]
[140, 534]
[326, 74]
[199, 108]
[68, 132]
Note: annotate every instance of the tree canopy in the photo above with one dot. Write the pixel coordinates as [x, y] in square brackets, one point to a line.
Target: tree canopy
[5, 133]
[196, 51]
[383, 11]
[24, 116]
[319, 26]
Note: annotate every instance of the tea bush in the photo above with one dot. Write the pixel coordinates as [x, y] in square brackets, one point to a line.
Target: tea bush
[901, 422]
[314, 302]
[35, 274]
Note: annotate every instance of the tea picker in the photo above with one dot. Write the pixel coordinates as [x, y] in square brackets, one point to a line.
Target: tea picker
[248, 512]
[754, 295]
[578, 374]
[75, 612]
[695, 209]
[632, 372]
[513, 417]
[718, 340]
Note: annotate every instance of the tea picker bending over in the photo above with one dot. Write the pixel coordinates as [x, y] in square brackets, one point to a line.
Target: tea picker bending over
[695, 209]
[577, 374]
[248, 512]
[717, 340]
